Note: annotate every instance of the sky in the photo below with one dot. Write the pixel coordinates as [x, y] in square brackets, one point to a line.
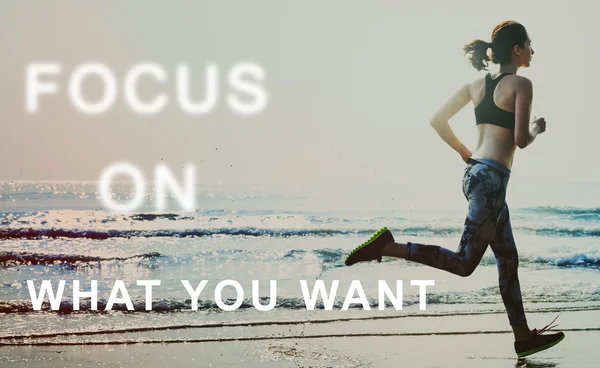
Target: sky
[351, 85]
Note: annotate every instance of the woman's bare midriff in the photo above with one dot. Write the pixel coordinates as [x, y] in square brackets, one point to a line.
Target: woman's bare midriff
[495, 143]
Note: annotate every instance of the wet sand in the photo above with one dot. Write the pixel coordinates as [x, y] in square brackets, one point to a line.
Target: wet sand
[483, 340]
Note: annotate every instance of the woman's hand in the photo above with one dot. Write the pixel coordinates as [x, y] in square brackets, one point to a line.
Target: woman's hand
[538, 126]
[465, 154]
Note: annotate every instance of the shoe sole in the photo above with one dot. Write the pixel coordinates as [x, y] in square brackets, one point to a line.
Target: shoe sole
[533, 351]
[369, 241]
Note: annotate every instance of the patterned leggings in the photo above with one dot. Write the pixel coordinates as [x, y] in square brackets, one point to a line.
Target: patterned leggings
[487, 222]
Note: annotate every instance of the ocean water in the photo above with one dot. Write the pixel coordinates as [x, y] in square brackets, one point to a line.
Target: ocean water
[60, 231]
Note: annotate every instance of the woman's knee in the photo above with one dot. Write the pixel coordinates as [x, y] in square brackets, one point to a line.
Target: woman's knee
[468, 271]
[467, 268]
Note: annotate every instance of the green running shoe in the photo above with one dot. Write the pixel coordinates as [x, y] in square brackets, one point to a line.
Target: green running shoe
[371, 249]
[538, 342]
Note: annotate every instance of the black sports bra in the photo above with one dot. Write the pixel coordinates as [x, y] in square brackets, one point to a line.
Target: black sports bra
[487, 111]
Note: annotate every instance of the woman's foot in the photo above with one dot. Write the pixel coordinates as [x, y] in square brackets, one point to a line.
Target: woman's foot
[538, 342]
[372, 249]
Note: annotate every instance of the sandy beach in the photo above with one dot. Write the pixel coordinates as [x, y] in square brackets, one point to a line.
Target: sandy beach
[448, 341]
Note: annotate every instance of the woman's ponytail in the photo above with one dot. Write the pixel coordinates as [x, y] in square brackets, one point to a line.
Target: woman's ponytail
[478, 50]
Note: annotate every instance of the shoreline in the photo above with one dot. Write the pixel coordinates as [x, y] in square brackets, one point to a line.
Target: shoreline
[491, 350]
[424, 341]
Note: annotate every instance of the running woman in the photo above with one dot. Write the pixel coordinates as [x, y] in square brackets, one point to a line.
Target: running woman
[502, 112]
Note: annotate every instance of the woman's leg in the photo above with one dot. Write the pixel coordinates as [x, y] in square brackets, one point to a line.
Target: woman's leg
[488, 222]
[485, 189]
[507, 261]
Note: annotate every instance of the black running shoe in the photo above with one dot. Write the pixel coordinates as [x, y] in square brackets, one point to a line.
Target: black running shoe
[538, 342]
[371, 249]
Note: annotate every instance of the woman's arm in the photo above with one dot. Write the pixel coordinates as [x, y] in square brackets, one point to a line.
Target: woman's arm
[440, 120]
[525, 132]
